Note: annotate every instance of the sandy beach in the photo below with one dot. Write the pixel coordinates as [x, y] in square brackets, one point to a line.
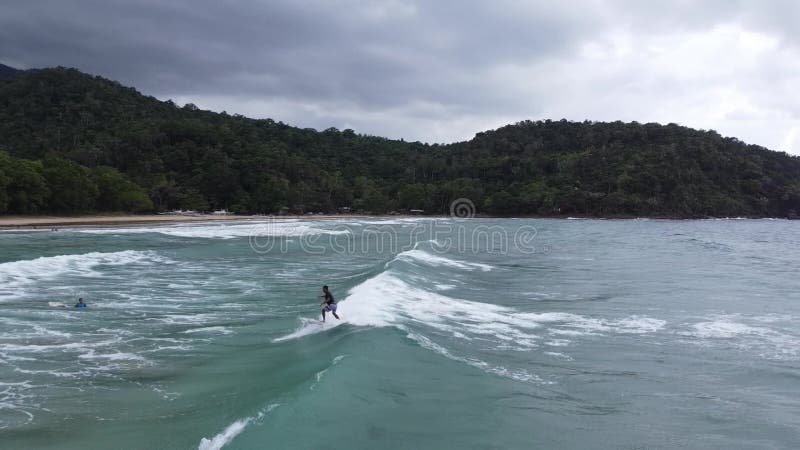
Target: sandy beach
[23, 222]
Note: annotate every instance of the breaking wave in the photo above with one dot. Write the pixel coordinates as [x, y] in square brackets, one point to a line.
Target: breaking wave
[16, 274]
[234, 429]
[277, 228]
[395, 297]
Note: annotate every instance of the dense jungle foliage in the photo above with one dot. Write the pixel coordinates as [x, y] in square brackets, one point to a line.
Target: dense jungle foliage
[71, 143]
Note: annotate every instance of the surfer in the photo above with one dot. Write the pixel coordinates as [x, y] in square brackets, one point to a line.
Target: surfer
[329, 302]
[80, 303]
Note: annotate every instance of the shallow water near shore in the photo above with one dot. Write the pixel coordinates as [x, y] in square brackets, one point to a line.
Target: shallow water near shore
[482, 333]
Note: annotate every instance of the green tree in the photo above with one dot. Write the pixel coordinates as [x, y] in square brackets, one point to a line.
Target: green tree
[27, 190]
[117, 193]
[71, 188]
[186, 157]
[413, 196]
[192, 200]
[5, 180]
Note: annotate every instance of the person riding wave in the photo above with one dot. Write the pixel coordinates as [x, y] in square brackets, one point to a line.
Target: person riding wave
[329, 302]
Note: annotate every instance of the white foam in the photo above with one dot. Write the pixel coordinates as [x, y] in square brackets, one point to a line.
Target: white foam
[114, 331]
[636, 325]
[28, 330]
[17, 397]
[514, 374]
[769, 343]
[380, 222]
[54, 373]
[170, 396]
[436, 260]
[206, 230]
[308, 327]
[43, 331]
[321, 373]
[576, 325]
[231, 431]
[563, 356]
[115, 356]
[573, 333]
[70, 346]
[19, 273]
[723, 329]
[220, 330]
[162, 348]
[7, 357]
[186, 319]
[385, 300]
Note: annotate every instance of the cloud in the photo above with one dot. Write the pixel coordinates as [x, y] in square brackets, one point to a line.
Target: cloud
[437, 71]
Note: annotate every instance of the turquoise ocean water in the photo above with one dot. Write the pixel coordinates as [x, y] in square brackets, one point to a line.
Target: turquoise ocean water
[481, 333]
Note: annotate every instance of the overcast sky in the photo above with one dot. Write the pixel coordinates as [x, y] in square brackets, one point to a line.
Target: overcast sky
[437, 71]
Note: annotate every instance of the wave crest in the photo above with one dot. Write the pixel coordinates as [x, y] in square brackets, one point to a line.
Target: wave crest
[15, 274]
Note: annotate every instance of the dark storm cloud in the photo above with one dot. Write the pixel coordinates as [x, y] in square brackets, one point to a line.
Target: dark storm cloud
[429, 70]
[169, 47]
[376, 54]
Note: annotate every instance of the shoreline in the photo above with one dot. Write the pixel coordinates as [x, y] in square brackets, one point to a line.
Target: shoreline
[36, 222]
[39, 222]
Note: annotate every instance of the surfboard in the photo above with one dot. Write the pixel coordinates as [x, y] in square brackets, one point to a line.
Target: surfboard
[311, 326]
[56, 305]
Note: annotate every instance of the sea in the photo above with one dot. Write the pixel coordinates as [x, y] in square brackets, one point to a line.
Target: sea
[455, 333]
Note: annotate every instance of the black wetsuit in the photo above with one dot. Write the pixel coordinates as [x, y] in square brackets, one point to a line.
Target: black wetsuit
[329, 298]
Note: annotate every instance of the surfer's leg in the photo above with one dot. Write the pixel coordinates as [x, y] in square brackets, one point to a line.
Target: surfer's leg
[336, 315]
[323, 314]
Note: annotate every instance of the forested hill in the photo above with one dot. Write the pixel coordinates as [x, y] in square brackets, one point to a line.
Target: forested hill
[8, 72]
[74, 143]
